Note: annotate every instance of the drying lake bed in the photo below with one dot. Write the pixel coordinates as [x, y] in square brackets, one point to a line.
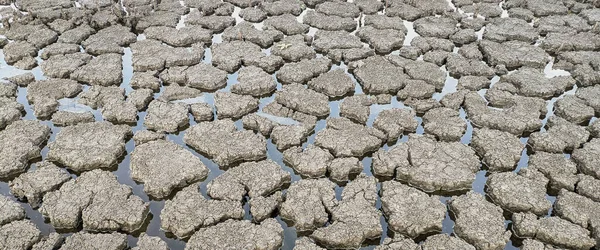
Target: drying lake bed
[299, 124]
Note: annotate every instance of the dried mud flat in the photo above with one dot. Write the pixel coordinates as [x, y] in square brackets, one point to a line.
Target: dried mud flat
[299, 124]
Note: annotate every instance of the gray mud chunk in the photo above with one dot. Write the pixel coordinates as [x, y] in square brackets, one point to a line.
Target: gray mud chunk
[441, 27]
[357, 108]
[234, 106]
[589, 95]
[103, 70]
[394, 122]
[464, 36]
[556, 42]
[589, 187]
[287, 24]
[19, 235]
[533, 83]
[594, 129]
[267, 235]
[369, 7]
[523, 192]
[574, 110]
[189, 210]
[21, 141]
[140, 98]
[67, 118]
[445, 124]
[410, 52]
[246, 31]
[473, 83]
[517, 119]
[299, 98]
[344, 138]
[32, 186]
[325, 22]
[205, 77]
[421, 106]
[50, 242]
[459, 65]
[399, 242]
[27, 63]
[350, 55]
[379, 76]
[89, 241]
[479, 222]
[471, 51]
[311, 162]
[146, 242]
[251, 14]
[147, 166]
[22, 80]
[385, 22]
[508, 29]
[432, 44]
[44, 94]
[59, 49]
[119, 112]
[97, 96]
[552, 230]
[326, 41]
[228, 56]
[382, 40]
[340, 169]
[409, 211]
[89, 146]
[255, 179]
[145, 80]
[258, 123]
[114, 35]
[254, 81]
[184, 37]
[10, 210]
[262, 208]
[145, 136]
[281, 7]
[354, 219]
[176, 92]
[444, 241]
[202, 112]
[76, 35]
[454, 100]
[560, 136]
[293, 48]
[8, 89]
[500, 150]
[427, 157]
[97, 199]
[167, 117]
[152, 55]
[224, 144]
[342, 9]
[577, 209]
[303, 71]
[279, 110]
[560, 171]
[16, 51]
[438, 57]
[514, 54]
[307, 203]
[215, 23]
[288, 136]
[10, 111]
[334, 83]
[306, 243]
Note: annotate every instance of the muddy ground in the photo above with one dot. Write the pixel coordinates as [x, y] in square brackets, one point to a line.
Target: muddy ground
[299, 124]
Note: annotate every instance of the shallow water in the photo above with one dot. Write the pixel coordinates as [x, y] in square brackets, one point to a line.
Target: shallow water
[153, 227]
